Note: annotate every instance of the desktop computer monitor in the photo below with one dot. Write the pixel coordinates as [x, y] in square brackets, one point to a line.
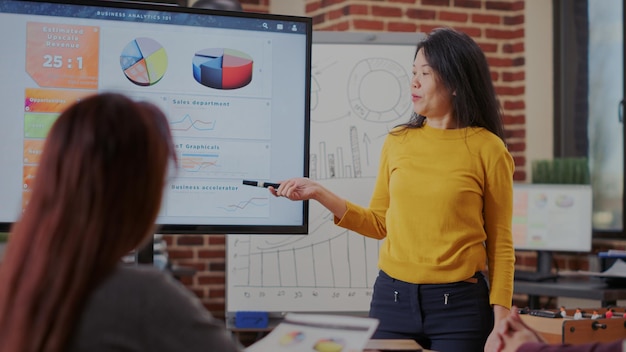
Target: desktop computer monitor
[551, 217]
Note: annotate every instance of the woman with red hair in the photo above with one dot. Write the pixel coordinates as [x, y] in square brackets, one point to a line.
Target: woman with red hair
[96, 196]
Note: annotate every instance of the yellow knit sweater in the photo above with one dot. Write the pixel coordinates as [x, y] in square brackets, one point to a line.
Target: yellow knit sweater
[443, 203]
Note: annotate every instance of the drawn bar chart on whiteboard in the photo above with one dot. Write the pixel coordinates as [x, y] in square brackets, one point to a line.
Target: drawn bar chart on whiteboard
[331, 268]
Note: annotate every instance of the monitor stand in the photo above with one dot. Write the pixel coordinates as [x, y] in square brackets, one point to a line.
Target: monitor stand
[543, 272]
[145, 254]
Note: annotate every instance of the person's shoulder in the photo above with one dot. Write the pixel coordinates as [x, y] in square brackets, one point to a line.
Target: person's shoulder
[141, 273]
[487, 138]
[138, 279]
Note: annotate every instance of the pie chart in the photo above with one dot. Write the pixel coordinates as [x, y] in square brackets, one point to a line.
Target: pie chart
[222, 68]
[144, 61]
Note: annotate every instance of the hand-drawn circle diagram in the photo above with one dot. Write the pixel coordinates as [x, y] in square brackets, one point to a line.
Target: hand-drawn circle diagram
[379, 90]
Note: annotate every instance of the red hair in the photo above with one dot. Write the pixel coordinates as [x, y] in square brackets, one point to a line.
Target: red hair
[95, 198]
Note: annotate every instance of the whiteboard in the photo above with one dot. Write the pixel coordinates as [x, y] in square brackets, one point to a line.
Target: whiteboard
[360, 90]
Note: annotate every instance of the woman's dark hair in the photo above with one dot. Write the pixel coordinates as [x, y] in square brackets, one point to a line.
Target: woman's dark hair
[95, 198]
[462, 68]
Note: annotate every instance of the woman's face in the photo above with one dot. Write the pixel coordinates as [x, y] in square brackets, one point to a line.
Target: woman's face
[430, 97]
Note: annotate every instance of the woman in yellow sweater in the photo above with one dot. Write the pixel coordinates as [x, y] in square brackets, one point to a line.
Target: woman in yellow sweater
[442, 202]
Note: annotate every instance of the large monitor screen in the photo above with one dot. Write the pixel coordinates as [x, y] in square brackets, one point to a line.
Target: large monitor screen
[234, 85]
[552, 217]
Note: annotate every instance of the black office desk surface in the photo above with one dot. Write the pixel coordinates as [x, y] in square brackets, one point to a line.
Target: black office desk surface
[583, 287]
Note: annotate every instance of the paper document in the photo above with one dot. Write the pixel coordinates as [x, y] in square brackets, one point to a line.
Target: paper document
[317, 333]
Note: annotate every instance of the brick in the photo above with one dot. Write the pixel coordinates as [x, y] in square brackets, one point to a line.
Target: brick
[453, 16]
[193, 264]
[311, 7]
[327, 3]
[190, 240]
[368, 25]
[356, 10]
[176, 253]
[514, 20]
[217, 239]
[472, 4]
[499, 62]
[334, 14]
[519, 176]
[519, 146]
[421, 14]
[511, 48]
[401, 27]
[514, 119]
[440, 3]
[403, 1]
[505, 5]
[511, 91]
[516, 133]
[217, 293]
[514, 104]
[514, 76]
[485, 18]
[211, 280]
[504, 34]
[209, 253]
[519, 61]
[214, 267]
[488, 47]
[386, 11]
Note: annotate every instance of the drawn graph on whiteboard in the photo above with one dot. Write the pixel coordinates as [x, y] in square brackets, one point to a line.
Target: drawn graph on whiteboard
[346, 135]
[330, 269]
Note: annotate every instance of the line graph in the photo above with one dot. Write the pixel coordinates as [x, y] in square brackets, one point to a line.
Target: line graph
[254, 202]
[220, 117]
[187, 123]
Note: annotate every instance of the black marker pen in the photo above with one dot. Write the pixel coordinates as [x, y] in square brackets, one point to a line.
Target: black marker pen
[260, 184]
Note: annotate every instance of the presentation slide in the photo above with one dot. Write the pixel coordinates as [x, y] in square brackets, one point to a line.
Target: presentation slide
[236, 99]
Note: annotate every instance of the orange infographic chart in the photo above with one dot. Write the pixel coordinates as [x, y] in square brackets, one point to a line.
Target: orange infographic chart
[63, 56]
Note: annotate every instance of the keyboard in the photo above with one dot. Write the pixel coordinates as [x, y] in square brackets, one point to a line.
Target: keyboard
[534, 276]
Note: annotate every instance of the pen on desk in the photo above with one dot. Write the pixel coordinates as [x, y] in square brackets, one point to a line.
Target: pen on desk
[260, 184]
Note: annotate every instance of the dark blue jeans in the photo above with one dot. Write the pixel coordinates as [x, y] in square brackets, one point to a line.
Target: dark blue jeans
[446, 318]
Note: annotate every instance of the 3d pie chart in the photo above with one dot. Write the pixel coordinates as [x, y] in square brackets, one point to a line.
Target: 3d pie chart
[144, 61]
[222, 68]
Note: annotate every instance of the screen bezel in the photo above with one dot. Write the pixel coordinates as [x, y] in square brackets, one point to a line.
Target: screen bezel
[173, 228]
